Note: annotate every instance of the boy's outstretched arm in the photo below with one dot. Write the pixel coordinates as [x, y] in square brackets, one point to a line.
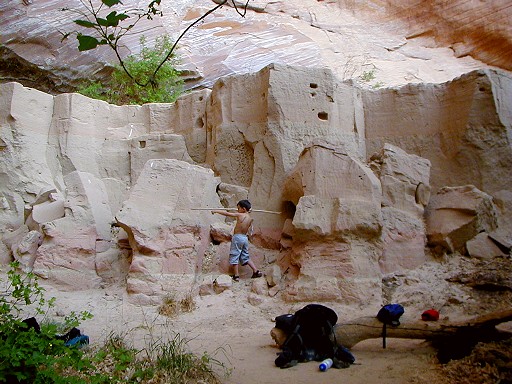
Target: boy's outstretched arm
[226, 213]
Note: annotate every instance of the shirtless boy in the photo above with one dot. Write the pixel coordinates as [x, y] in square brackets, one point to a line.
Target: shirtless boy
[239, 251]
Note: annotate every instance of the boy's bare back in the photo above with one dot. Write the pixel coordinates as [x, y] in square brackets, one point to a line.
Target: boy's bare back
[243, 223]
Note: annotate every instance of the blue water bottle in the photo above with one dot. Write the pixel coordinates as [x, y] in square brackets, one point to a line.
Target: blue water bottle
[325, 365]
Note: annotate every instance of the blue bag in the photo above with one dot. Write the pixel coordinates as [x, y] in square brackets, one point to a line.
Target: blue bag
[389, 315]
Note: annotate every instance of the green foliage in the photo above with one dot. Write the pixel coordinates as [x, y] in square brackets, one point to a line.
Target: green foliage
[161, 362]
[166, 85]
[27, 356]
[109, 29]
[30, 357]
[368, 76]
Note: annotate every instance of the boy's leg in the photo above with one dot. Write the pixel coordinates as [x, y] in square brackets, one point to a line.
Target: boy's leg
[234, 257]
[235, 270]
[252, 265]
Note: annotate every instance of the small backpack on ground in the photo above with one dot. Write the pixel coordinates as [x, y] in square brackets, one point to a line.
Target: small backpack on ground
[311, 337]
[389, 315]
[74, 337]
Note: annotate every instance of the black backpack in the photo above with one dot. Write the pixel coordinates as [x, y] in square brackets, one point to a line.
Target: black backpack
[310, 336]
[389, 315]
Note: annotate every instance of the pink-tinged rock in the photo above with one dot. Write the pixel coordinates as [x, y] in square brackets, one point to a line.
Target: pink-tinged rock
[403, 241]
[167, 237]
[221, 232]
[325, 206]
[482, 246]
[48, 211]
[462, 127]
[345, 272]
[457, 214]
[67, 258]
[27, 248]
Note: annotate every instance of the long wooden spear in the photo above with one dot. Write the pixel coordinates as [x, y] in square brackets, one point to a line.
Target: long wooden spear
[232, 209]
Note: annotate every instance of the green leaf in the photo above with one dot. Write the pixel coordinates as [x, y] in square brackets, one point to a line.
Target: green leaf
[110, 3]
[86, 42]
[113, 18]
[103, 22]
[84, 23]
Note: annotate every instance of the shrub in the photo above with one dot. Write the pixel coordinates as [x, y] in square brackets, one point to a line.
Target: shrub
[144, 86]
[32, 354]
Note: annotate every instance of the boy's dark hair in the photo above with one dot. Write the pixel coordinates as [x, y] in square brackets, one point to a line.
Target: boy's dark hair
[245, 204]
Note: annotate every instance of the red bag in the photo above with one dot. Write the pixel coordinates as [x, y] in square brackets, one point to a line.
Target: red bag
[430, 315]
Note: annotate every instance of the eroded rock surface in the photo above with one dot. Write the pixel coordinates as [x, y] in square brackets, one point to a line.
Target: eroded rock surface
[381, 43]
[93, 194]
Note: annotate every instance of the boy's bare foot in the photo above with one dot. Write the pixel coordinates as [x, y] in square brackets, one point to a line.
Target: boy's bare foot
[256, 274]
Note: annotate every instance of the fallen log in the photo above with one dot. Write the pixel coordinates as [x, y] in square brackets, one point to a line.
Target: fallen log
[466, 333]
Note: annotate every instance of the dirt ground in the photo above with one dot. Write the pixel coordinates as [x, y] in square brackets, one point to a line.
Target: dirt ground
[237, 334]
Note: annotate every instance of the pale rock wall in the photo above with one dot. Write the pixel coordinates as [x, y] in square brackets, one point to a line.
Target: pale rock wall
[24, 126]
[167, 238]
[68, 163]
[293, 140]
[462, 127]
[405, 181]
[188, 118]
[258, 125]
[156, 146]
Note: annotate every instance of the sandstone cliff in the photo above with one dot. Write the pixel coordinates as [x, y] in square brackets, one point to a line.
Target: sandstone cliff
[94, 194]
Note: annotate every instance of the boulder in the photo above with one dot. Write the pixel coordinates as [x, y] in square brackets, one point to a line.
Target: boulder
[324, 205]
[221, 232]
[67, 255]
[482, 246]
[25, 253]
[231, 194]
[405, 181]
[457, 214]
[168, 239]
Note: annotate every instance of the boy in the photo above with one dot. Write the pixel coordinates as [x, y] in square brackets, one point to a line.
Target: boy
[239, 251]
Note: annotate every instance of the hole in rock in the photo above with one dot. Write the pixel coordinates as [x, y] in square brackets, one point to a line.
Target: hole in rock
[323, 115]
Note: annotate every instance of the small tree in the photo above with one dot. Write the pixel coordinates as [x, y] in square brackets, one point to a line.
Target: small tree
[109, 29]
[121, 89]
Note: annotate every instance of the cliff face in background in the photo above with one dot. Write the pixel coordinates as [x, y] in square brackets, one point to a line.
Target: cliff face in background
[399, 41]
[478, 29]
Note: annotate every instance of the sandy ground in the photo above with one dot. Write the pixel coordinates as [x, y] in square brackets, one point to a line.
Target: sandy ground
[231, 330]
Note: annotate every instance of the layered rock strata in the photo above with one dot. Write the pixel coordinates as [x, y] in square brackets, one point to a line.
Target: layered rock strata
[94, 193]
